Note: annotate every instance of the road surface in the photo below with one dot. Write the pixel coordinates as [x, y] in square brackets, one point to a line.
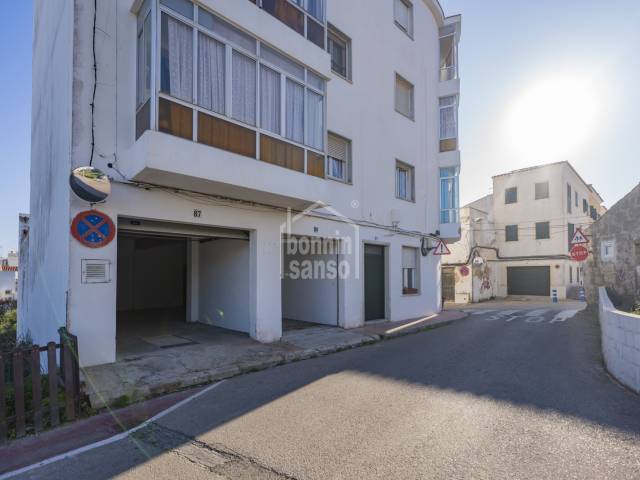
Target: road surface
[503, 394]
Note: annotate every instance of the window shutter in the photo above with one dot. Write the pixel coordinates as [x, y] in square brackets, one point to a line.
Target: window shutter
[338, 148]
[408, 257]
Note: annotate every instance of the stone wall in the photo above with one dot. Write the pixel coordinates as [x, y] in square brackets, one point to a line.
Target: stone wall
[615, 259]
[620, 342]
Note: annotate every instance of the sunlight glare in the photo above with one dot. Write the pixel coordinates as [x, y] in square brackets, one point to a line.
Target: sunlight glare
[552, 119]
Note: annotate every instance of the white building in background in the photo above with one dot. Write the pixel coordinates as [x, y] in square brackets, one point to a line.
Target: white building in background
[213, 118]
[517, 240]
[8, 277]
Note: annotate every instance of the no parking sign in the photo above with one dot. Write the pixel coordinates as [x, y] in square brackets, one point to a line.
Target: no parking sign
[93, 229]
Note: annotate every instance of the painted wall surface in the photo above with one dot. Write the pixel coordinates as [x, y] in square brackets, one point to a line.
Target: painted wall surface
[620, 230]
[620, 342]
[224, 284]
[63, 129]
[151, 273]
[46, 276]
[307, 295]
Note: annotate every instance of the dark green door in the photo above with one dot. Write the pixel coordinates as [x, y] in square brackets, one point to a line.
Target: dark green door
[374, 275]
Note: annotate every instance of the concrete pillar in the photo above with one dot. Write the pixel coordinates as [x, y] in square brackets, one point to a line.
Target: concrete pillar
[193, 281]
[265, 284]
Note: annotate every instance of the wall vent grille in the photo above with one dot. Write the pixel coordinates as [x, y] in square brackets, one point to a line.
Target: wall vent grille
[95, 271]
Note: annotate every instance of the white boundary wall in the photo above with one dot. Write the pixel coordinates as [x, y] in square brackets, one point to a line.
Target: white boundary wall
[620, 342]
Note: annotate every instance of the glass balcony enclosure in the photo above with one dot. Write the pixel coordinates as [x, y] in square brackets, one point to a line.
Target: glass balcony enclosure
[449, 195]
[203, 79]
[307, 17]
[448, 54]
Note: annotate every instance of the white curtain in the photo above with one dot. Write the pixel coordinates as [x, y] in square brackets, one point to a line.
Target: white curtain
[180, 61]
[315, 120]
[314, 7]
[270, 100]
[448, 118]
[243, 89]
[295, 111]
[401, 178]
[409, 255]
[211, 71]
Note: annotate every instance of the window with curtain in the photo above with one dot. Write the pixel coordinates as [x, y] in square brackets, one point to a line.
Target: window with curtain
[339, 154]
[211, 74]
[404, 181]
[409, 270]
[404, 97]
[542, 190]
[449, 195]
[243, 95]
[294, 111]
[176, 64]
[448, 118]
[403, 15]
[448, 70]
[270, 103]
[315, 120]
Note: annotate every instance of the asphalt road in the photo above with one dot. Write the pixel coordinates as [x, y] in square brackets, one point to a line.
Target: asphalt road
[503, 394]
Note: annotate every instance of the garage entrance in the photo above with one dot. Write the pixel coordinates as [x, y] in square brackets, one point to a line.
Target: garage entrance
[310, 282]
[529, 281]
[179, 284]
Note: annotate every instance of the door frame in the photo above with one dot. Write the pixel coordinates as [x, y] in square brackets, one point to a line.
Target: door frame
[387, 311]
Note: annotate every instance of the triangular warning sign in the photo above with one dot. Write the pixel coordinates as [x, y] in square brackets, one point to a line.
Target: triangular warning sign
[579, 238]
[441, 249]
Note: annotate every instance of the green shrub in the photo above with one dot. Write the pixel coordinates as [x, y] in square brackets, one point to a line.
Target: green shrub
[8, 329]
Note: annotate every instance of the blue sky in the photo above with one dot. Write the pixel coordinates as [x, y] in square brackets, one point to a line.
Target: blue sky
[508, 47]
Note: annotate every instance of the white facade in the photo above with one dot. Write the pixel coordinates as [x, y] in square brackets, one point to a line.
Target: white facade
[526, 222]
[230, 207]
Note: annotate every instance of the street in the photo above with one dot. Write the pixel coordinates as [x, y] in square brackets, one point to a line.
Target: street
[505, 393]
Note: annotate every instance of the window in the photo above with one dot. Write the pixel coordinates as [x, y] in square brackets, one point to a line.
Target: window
[608, 250]
[449, 195]
[511, 195]
[403, 15]
[542, 190]
[576, 197]
[339, 48]
[404, 97]
[570, 274]
[542, 231]
[240, 89]
[511, 233]
[143, 71]
[300, 15]
[339, 155]
[448, 123]
[448, 54]
[410, 270]
[593, 213]
[569, 209]
[585, 206]
[571, 230]
[404, 181]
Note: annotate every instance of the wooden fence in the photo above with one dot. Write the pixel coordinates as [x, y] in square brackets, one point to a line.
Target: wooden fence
[30, 401]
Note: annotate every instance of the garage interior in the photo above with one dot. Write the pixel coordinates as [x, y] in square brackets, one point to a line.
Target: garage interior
[179, 285]
[310, 297]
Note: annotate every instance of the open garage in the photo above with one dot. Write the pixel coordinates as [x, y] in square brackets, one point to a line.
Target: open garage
[174, 280]
[310, 282]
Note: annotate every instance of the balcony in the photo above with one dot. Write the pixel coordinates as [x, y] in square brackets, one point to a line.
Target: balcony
[219, 101]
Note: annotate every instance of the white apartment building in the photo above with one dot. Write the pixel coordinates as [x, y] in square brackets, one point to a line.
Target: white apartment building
[223, 124]
[517, 240]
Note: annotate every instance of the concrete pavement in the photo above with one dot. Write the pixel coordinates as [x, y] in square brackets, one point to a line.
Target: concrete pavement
[506, 393]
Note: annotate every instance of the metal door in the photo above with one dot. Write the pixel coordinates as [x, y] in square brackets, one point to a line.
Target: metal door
[374, 283]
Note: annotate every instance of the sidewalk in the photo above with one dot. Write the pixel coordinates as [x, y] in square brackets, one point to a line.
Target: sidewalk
[295, 345]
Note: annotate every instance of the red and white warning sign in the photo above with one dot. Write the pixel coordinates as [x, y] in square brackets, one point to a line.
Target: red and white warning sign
[579, 238]
[441, 249]
[579, 253]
